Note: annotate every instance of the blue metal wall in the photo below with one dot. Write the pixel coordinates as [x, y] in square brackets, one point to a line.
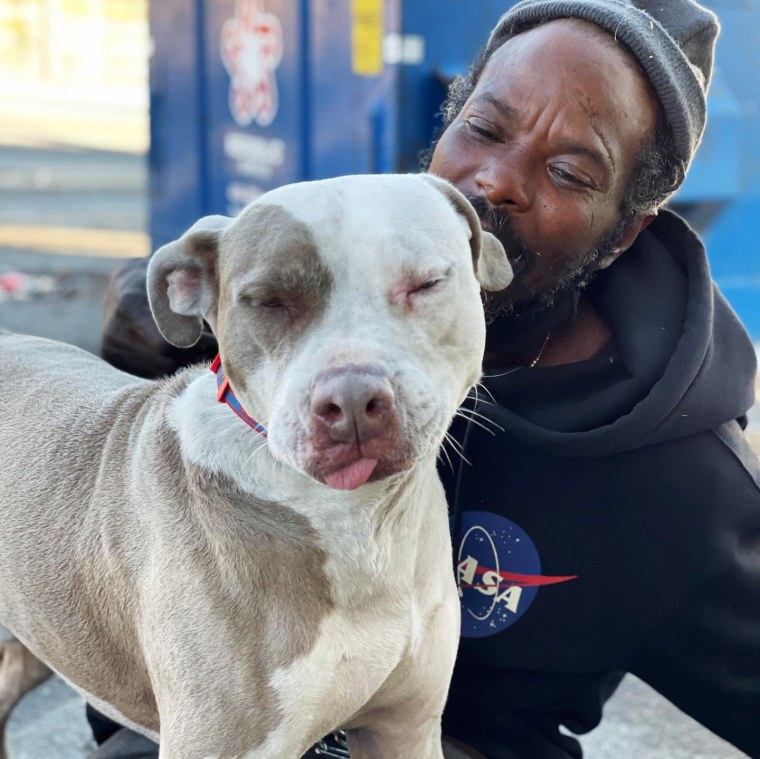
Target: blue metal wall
[335, 87]
[723, 189]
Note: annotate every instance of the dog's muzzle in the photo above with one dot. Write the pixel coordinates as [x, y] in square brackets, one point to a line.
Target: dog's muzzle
[355, 429]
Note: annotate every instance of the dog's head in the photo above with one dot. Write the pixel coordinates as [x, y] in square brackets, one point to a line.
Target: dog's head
[348, 315]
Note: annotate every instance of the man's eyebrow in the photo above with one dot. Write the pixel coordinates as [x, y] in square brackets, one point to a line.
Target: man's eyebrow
[506, 110]
[603, 159]
[575, 148]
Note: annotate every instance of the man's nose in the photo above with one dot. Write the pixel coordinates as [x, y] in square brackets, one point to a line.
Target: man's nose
[506, 182]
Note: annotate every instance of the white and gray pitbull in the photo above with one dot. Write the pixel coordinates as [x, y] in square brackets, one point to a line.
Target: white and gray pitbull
[243, 593]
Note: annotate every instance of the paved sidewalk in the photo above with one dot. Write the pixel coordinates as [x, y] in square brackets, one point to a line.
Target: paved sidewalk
[639, 724]
[50, 724]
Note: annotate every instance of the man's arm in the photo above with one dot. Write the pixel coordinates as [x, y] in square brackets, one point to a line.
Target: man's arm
[706, 657]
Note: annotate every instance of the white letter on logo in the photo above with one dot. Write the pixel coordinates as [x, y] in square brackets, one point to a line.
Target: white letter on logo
[511, 597]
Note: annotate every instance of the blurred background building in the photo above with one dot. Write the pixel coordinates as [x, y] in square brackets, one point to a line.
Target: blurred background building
[275, 91]
[90, 57]
[44, 40]
[123, 121]
[229, 98]
[73, 158]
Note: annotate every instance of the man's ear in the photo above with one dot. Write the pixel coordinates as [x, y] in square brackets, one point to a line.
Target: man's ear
[182, 282]
[634, 229]
[492, 267]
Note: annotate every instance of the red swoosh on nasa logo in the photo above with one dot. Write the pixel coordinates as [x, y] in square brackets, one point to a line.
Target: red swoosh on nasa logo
[524, 581]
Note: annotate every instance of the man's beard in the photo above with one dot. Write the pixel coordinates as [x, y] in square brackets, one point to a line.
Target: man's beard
[567, 278]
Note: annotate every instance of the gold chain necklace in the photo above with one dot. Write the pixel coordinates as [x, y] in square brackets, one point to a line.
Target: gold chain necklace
[533, 363]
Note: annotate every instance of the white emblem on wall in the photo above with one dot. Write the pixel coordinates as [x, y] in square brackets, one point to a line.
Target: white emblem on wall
[251, 48]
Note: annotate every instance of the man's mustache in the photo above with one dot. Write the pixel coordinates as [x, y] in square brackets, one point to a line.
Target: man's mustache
[500, 225]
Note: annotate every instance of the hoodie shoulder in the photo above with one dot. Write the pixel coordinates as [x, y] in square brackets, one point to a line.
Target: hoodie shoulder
[682, 364]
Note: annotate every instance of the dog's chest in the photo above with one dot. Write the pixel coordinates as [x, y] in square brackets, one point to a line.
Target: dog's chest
[353, 658]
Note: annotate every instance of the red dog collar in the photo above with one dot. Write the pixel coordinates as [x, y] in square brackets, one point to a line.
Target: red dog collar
[225, 394]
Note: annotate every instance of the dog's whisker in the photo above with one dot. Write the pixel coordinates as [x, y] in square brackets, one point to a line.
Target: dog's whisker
[262, 445]
[481, 421]
[457, 448]
[492, 402]
[491, 431]
[456, 445]
[473, 413]
[502, 374]
[476, 401]
[483, 427]
[442, 452]
[473, 395]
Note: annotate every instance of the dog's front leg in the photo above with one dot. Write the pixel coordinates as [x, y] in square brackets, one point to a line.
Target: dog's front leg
[404, 721]
[394, 739]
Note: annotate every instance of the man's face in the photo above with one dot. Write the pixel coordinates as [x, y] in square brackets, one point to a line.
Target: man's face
[544, 147]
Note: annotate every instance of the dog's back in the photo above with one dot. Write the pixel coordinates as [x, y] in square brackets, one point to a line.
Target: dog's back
[65, 412]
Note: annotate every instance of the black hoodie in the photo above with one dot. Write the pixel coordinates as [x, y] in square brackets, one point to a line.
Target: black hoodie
[609, 520]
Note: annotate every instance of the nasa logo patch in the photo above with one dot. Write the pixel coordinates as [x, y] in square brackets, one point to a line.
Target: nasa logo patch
[498, 573]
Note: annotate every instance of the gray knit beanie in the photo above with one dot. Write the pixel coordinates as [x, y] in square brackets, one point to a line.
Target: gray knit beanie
[673, 40]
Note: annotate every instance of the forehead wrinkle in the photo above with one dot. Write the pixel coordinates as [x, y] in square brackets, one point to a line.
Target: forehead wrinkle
[598, 42]
[510, 113]
[610, 157]
[507, 111]
[605, 144]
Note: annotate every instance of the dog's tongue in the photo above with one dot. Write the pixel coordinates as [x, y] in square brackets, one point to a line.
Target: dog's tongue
[352, 476]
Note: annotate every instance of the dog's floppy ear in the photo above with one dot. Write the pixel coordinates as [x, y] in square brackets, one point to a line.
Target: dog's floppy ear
[182, 281]
[492, 267]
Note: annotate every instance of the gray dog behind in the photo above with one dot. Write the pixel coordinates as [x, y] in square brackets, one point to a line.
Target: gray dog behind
[241, 592]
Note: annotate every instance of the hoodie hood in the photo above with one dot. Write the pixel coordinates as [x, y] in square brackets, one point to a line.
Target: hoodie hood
[682, 362]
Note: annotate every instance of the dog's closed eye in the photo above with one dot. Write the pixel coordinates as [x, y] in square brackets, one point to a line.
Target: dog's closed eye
[429, 282]
[429, 285]
[274, 303]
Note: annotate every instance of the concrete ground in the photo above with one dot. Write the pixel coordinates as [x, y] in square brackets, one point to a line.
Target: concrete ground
[72, 205]
[49, 723]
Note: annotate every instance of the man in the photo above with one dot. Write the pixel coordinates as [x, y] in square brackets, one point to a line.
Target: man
[609, 518]
[621, 485]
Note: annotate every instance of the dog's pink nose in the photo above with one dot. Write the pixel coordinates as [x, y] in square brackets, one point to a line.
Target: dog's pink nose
[353, 403]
